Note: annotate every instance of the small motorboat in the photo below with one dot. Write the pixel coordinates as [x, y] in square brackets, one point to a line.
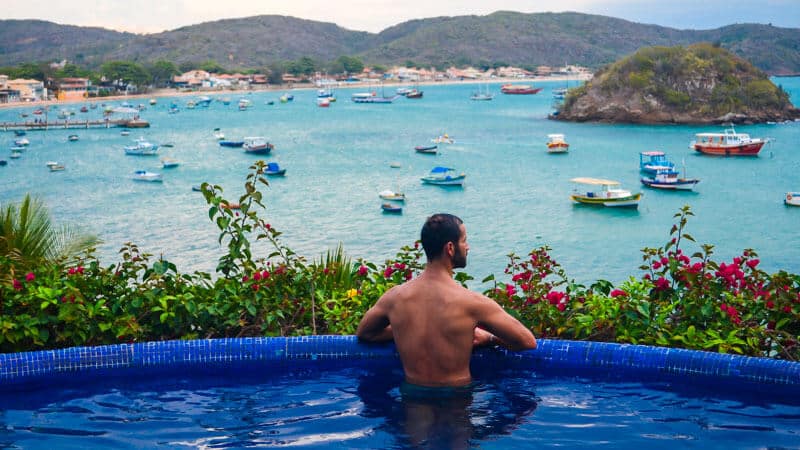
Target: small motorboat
[609, 193]
[231, 143]
[56, 167]
[414, 94]
[427, 149]
[124, 133]
[72, 137]
[273, 169]
[141, 148]
[391, 208]
[443, 139]
[144, 175]
[15, 155]
[257, 145]
[218, 134]
[667, 178]
[392, 195]
[22, 142]
[444, 176]
[557, 144]
[792, 199]
[168, 163]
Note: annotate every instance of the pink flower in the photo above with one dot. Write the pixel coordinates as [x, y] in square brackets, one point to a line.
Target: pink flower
[362, 271]
[71, 271]
[510, 290]
[752, 263]
[662, 284]
[388, 272]
[737, 261]
[561, 306]
[399, 266]
[664, 260]
[656, 265]
[17, 285]
[555, 297]
[265, 275]
[30, 277]
[618, 293]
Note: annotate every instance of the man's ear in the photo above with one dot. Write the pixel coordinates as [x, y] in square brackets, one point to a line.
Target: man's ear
[450, 248]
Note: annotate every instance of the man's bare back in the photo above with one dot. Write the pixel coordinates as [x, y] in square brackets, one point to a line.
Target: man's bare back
[433, 321]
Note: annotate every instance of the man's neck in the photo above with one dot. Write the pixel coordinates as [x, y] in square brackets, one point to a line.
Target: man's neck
[439, 268]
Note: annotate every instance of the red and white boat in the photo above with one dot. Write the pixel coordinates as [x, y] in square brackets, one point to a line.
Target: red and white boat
[520, 89]
[727, 143]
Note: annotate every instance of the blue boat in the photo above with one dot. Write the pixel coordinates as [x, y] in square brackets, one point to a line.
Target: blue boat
[667, 178]
[273, 169]
[444, 176]
[231, 143]
[391, 208]
[654, 160]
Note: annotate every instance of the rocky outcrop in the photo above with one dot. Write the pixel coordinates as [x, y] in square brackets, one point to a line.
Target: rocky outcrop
[699, 84]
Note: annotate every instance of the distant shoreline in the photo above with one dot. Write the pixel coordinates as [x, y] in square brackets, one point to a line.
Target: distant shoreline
[173, 92]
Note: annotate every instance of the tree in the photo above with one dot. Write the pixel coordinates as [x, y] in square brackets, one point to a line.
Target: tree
[187, 66]
[30, 71]
[28, 235]
[123, 73]
[72, 71]
[212, 66]
[275, 72]
[351, 64]
[303, 66]
[162, 72]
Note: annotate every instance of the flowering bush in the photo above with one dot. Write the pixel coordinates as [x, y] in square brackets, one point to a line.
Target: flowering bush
[682, 299]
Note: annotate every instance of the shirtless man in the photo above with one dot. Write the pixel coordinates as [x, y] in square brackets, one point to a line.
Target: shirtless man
[434, 321]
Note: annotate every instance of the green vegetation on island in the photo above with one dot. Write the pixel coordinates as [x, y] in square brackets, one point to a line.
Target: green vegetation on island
[701, 83]
[684, 298]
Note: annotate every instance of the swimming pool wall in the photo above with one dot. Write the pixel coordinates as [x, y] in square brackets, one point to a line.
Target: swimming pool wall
[636, 361]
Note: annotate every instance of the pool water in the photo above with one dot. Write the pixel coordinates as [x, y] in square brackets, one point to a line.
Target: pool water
[362, 407]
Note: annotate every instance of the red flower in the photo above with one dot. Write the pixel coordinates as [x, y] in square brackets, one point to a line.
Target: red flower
[737, 261]
[325, 271]
[255, 287]
[71, 271]
[787, 309]
[510, 290]
[265, 275]
[30, 277]
[662, 284]
[664, 260]
[245, 279]
[409, 275]
[618, 293]
[770, 304]
[388, 272]
[656, 265]
[267, 226]
[752, 263]
[561, 306]
[79, 270]
[555, 297]
[17, 285]
[257, 276]
[399, 266]
[362, 271]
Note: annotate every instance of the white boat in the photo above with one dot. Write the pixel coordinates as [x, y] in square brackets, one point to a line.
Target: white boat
[167, 162]
[244, 104]
[141, 148]
[22, 142]
[55, 167]
[15, 155]
[556, 143]
[792, 198]
[257, 145]
[144, 175]
[444, 176]
[72, 137]
[124, 133]
[392, 195]
[480, 94]
[218, 134]
[443, 139]
[608, 194]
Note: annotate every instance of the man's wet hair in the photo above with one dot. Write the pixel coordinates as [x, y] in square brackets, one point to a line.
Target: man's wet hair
[438, 230]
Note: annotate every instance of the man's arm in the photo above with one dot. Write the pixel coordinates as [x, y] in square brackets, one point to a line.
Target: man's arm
[508, 331]
[374, 326]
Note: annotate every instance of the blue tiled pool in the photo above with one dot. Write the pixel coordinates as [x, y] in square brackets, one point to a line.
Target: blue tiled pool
[331, 391]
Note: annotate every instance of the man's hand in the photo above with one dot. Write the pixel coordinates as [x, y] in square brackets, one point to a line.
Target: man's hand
[483, 337]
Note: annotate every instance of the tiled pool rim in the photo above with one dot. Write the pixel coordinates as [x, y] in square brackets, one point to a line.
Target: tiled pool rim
[17, 369]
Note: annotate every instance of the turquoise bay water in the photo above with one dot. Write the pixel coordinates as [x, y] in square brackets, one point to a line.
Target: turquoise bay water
[516, 195]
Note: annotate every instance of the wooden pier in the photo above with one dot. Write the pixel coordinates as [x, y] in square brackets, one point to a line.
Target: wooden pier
[73, 124]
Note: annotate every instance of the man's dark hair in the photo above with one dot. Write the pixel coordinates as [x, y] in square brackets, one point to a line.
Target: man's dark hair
[437, 231]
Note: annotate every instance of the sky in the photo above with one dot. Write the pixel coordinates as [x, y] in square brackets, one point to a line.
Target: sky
[153, 16]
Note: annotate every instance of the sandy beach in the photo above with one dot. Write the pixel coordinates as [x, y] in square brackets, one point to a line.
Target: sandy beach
[173, 92]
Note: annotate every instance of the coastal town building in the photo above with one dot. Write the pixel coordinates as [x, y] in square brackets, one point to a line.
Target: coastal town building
[72, 88]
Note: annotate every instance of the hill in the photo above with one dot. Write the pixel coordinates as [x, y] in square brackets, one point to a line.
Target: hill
[503, 37]
[700, 83]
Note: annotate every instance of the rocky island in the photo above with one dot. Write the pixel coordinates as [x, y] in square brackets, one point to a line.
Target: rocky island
[697, 84]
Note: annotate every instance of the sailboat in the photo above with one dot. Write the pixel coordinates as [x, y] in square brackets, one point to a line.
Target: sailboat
[481, 95]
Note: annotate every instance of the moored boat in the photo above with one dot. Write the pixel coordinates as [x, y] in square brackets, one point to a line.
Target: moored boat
[141, 148]
[275, 170]
[168, 163]
[444, 176]
[654, 160]
[218, 134]
[415, 93]
[389, 194]
[391, 208]
[607, 194]
[792, 199]
[668, 178]
[22, 142]
[257, 145]
[443, 139]
[427, 149]
[556, 144]
[55, 167]
[144, 175]
[231, 143]
[727, 143]
[72, 137]
[519, 89]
